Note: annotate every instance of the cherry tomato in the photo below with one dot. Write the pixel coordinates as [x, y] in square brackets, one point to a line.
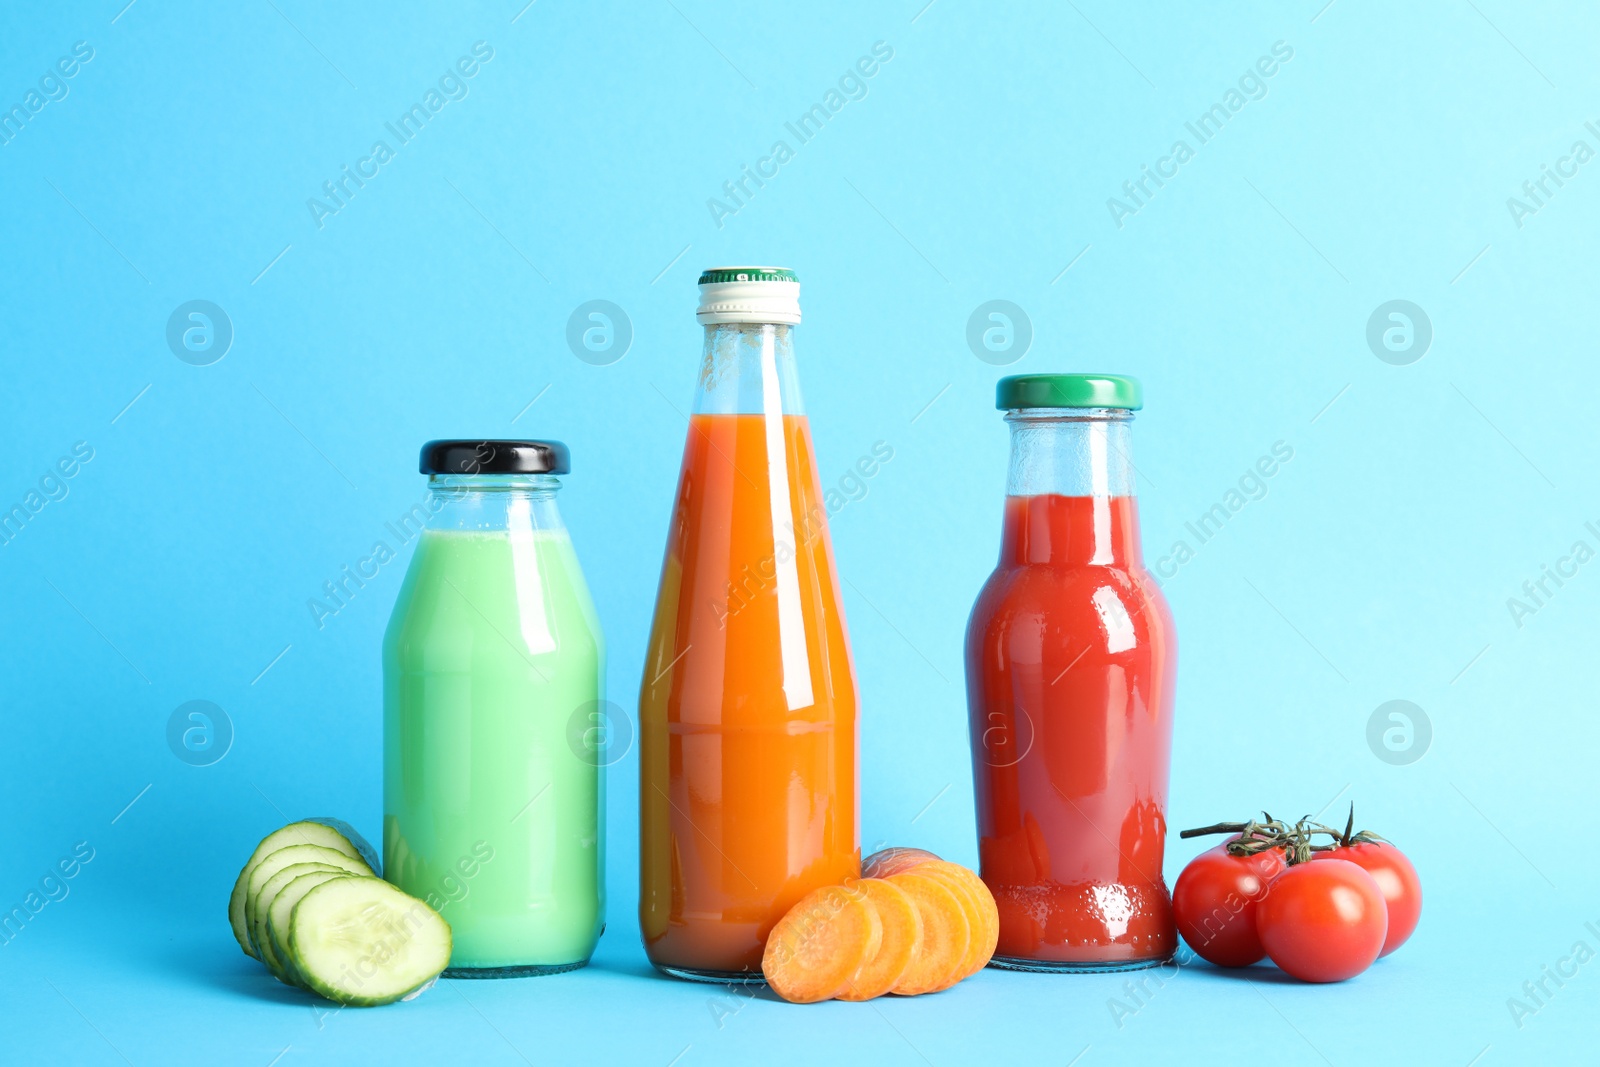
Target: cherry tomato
[1397, 880]
[1323, 922]
[1214, 903]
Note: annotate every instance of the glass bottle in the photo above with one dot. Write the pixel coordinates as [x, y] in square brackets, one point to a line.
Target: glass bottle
[747, 707]
[1071, 655]
[494, 667]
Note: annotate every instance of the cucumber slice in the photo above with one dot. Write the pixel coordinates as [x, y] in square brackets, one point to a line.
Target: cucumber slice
[364, 850]
[330, 833]
[275, 945]
[276, 862]
[269, 893]
[362, 942]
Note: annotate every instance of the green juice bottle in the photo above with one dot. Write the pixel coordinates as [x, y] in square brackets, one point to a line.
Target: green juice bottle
[494, 717]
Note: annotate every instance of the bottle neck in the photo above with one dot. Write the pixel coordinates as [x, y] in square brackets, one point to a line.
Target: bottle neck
[1070, 452]
[1070, 488]
[494, 503]
[748, 368]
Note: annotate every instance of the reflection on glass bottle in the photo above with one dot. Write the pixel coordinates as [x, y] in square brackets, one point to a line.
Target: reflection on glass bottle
[747, 710]
[1070, 661]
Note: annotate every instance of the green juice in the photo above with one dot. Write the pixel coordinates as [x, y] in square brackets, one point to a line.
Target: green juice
[493, 805]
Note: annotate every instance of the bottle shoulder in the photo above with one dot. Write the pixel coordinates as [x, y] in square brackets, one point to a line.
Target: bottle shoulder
[1010, 579]
[524, 606]
[1070, 597]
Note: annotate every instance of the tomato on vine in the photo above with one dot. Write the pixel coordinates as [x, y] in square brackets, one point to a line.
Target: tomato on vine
[1323, 922]
[1214, 900]
[1396, 877]
[1321, 911]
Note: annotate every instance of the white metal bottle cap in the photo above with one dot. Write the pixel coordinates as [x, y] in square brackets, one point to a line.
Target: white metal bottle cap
[749, 294]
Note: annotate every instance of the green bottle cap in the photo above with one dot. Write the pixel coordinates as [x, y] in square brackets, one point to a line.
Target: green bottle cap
[749, 294]
[719, 275]
[1068, 391]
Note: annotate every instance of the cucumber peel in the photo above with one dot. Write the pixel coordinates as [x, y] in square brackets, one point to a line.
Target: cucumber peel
[274, 862]
[364, 850]
[330, 833]
[270, 891]
[275, 947]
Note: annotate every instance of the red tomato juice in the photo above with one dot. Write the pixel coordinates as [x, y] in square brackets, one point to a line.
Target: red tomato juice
[1071, 654]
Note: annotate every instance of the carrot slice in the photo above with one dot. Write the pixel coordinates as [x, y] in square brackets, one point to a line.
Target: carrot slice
[945, 933]
[967, 901]
[815, 949]
[891, 861]
[902, 940]
[991, 916]
[982, 915]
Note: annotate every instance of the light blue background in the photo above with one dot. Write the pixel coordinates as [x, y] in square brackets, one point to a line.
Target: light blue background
[1377, 566]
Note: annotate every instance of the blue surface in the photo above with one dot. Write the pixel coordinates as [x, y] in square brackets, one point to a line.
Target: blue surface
[1377, 565]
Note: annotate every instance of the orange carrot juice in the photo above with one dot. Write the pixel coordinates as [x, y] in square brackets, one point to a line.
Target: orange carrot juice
[747, 709]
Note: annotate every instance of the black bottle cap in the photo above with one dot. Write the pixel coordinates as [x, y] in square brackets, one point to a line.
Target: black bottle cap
[495, 457]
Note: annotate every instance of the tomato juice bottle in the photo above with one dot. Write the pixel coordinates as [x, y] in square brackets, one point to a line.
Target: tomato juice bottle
[1070, 659]
[747, 707]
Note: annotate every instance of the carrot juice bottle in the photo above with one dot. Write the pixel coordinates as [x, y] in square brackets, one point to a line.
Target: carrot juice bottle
[1070, 661]
[747, 708]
